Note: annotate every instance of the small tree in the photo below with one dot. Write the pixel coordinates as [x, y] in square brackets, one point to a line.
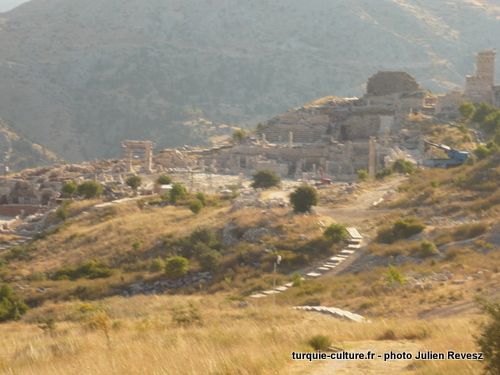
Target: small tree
[265, 179]
[394, 276]
[134, 182]
[90, 189]
[177, 193]
[489, 338]
[209, 260]
[203, 234]
[466, 109]
[238, 135]
[362, 175]
[195, 206]
[176, 267]
[164, 180]
[202, 198]
[303, 198]
[335, 233]
[156, 265]
[69, 188]
[403, 166]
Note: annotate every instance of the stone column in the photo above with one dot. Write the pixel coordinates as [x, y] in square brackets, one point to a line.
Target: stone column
[148, 158]
[290, 139]
[128, 158]
[372, 167]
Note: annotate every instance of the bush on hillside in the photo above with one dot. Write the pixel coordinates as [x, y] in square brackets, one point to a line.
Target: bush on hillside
[401, 229]
[489, 336]
[403, 166]
[335, 233]
[265, 179]
[303, 198]
[176, 267]
[10, 308]
[91, 269]
[90, 189]
[69, 188]
[177, 193]
[163, 179]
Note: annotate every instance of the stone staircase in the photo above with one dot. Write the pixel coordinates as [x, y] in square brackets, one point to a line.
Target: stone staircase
[329, 265]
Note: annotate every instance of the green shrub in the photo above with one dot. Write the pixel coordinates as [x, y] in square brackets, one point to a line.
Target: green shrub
[401, 229]
[156, 265]
[202, 234]
[384, 172]
[303, 198]
[466, 109]
[319, 342]
[489, 337]
[69, 188]
[177, 193]
[209, 260]
[202, 198]
[195, 206]
[362, 175]
[335, 233]
[90, 189]
[394, 276]
[176, 267]
[62, 213]
[265, 179]
[10, 308]
[238, 135]
[297, 279]
[403, 166]
[134, 182]
[427, 249]
[407, 227]
[91, 269]
[164, 179]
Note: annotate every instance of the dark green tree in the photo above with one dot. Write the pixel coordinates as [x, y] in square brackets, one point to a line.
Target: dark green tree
[69, 188]
[90, 189]
[303, 198]
[489, 337]
[209, 259]
[164, 180]
[265, 179]
[335, 233]
[134, 182]
[403, 166]
[466, 109]
[176, 267]
[238, 135]
[177, 193]
[195, 206]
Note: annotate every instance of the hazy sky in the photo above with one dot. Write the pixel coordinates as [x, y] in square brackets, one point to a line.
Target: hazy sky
[6, 5]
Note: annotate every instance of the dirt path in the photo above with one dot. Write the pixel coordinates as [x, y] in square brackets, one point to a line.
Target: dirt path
[361, 209]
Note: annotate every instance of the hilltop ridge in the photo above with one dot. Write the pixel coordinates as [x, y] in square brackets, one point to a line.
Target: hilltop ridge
[82, 78]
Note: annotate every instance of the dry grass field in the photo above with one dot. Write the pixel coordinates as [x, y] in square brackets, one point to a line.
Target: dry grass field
[207, 334]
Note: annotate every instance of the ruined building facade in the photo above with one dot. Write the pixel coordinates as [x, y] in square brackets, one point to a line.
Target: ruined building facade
[336, 137]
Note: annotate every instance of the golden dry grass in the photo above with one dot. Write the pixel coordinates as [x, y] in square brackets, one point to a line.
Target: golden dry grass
[253, 340]
[108, 234]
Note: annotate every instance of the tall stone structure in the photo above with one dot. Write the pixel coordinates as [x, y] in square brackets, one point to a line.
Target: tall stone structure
[481, 85]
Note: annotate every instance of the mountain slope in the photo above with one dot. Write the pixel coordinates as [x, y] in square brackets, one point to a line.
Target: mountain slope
[80, 77]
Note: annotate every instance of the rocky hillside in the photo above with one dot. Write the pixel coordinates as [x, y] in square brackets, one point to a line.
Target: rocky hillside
[80, 77]
[19, 153]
